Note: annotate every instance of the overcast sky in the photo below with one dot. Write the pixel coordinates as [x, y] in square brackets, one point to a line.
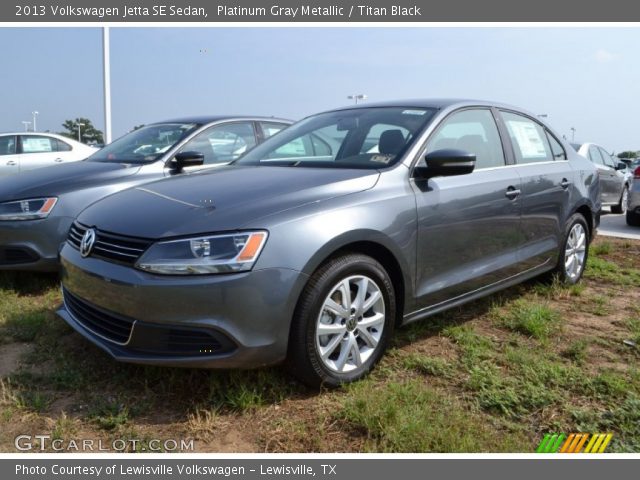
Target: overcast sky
[586, 78]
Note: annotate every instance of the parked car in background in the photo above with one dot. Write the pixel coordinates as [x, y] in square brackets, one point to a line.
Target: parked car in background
[633, 207]
[313, 251]
[20, 152]
[37, 208]
[615, 178]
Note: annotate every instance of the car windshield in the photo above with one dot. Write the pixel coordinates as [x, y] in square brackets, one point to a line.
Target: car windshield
[144, 145]
[375, 137]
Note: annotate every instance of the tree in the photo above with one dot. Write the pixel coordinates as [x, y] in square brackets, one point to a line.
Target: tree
[88, 133]
[628, 154]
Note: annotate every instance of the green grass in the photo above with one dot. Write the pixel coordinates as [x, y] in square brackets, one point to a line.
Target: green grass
[411, 417]
[108, 414]
[601, 249]
[610, 272]
[433, 366]
[532, 318]
[633, 324]
[576, 351]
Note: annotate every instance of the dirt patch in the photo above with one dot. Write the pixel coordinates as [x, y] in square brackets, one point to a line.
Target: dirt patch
[11, 355]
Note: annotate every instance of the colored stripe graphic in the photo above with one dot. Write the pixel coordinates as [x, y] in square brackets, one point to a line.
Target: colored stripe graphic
[574, 443]
[550, 443]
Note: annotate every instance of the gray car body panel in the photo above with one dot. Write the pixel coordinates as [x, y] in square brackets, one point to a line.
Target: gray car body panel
[452, 239]
[77, 185]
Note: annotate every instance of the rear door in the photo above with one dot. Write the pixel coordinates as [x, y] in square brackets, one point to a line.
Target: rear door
[37, 151]
[468, 225]
[9, 158]
[546, 178]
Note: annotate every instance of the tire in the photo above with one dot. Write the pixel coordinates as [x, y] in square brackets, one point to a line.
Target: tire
[621, 207]
[357, 339]
[633, 219]
[576, 227]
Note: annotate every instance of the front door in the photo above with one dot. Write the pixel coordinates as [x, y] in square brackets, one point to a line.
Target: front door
[468, 225]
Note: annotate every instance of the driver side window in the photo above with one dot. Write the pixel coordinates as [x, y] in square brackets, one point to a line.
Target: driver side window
[222, 143]
[473, 131]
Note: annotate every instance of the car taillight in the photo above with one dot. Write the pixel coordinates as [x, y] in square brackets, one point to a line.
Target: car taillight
[636, 173]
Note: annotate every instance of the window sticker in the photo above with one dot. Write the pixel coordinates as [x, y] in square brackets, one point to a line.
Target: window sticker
[35, 145]
[414, 112]
[528, 138]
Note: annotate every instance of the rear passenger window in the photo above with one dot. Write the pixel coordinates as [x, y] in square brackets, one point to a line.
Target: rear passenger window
[556, 148]
[528, 138]
[63, 146]
[474, 131]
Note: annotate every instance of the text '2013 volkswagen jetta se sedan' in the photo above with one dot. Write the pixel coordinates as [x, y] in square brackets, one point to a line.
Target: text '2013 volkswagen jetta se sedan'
[316, 244]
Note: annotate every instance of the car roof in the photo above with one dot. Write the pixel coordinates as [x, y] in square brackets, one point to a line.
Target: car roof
[438, 103]
[45, 134]
[204, 119]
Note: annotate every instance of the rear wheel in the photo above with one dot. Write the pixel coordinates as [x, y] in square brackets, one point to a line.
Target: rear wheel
[633, 219]
[343, 322]
[621, 207]
[574, 251]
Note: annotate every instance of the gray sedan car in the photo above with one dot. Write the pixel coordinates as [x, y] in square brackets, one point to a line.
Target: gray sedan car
[315, 245]
[37, 208]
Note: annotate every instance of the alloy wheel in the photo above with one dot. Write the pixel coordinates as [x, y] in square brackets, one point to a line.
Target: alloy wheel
[350, 324]
[575, 251]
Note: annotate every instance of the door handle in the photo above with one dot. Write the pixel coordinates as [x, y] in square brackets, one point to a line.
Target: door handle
[512, 193]
[11, 162]
[58, 160]
[565, 183]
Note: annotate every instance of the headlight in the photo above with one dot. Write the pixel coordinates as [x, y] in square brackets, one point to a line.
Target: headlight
[30, 209]
[227, 253]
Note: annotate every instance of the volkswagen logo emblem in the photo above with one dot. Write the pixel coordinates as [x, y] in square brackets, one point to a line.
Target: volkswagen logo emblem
[86, 245]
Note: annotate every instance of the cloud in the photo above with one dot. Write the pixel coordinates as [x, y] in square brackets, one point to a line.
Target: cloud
[604, 56]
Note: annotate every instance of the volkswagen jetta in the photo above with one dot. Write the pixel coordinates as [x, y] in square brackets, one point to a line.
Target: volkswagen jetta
[315, 245]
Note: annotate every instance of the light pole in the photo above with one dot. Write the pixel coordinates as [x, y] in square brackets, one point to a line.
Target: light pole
[79, 134]
[36, 113]
[106, 71]
[26, 125]
[359, 96]
[573, 134]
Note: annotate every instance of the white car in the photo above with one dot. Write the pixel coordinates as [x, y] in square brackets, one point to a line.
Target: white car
[25, 151]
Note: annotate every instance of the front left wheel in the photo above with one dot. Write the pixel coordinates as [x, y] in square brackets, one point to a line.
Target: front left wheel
[343, 321]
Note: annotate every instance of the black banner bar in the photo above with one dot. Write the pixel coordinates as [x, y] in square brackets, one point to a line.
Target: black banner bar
[293, 11]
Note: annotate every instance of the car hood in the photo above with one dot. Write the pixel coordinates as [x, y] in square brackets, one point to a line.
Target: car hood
[228, 198]
[59, 179]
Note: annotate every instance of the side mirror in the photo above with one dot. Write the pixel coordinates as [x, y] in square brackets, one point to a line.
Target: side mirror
[187, 159]
[446, 162]
[621, 166]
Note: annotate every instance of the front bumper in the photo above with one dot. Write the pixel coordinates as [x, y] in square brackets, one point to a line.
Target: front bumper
[246, 315]
[33, 244]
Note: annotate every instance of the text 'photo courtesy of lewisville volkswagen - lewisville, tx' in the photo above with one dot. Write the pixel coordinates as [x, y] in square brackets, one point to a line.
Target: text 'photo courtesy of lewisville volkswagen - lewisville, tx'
[385, 239]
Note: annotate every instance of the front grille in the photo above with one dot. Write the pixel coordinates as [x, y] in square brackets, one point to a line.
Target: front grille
[103, 323]
[110, 246]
